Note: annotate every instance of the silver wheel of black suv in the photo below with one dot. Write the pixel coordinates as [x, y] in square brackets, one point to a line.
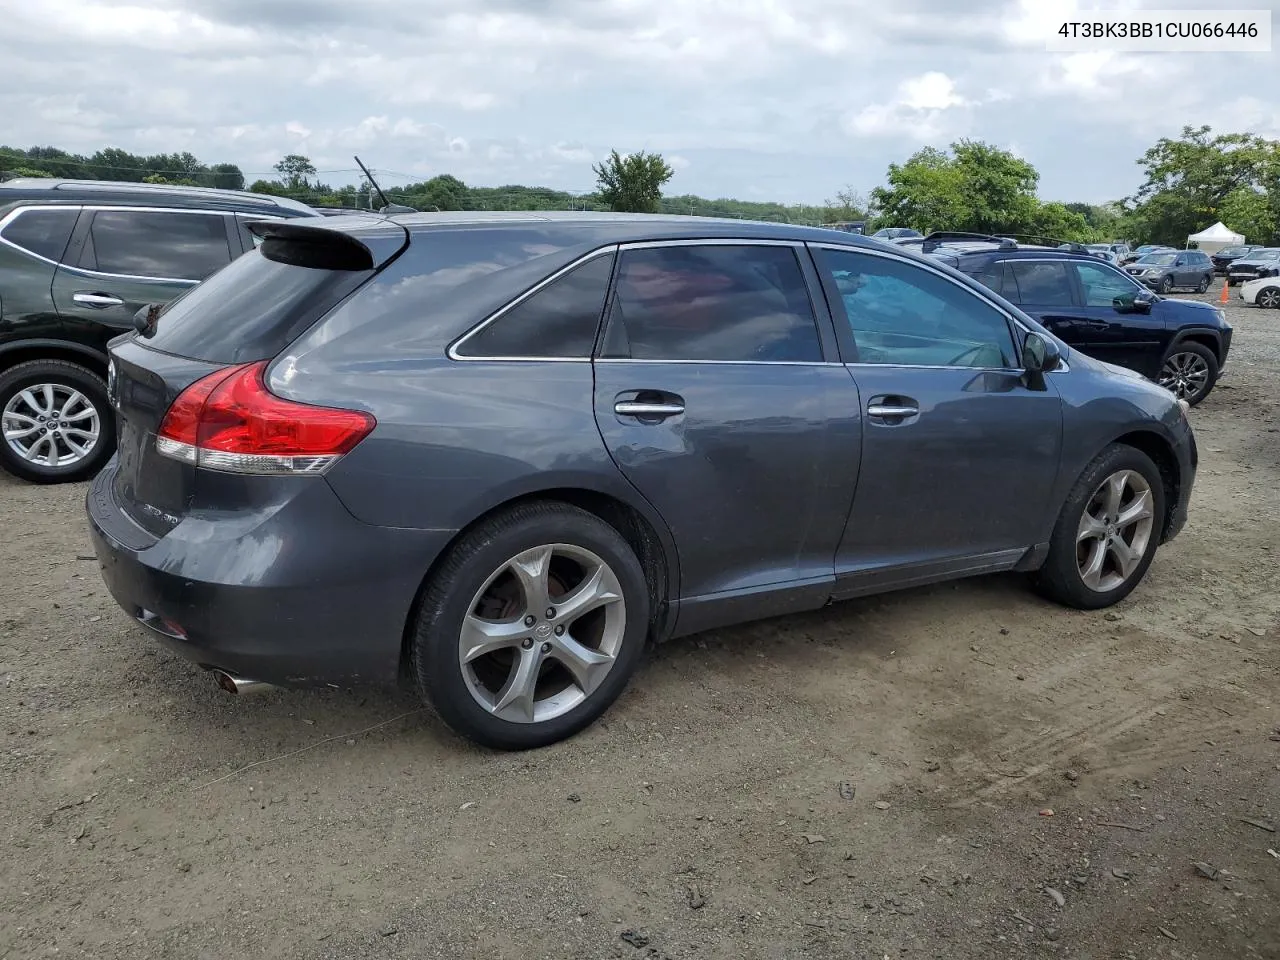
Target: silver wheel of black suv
[56, 421]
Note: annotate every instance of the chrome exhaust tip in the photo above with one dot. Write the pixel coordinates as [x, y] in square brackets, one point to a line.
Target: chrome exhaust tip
[238, 685]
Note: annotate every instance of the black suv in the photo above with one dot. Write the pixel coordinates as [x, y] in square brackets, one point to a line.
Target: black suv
[1223, 259]
[78, 260]
[1098, 309]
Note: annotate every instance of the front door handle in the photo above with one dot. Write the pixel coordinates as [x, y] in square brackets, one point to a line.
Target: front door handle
[99, 300]
[655, 411]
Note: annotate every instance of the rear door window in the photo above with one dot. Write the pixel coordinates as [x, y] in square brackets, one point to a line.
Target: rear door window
[559, 320]
[42, 232]
[725, 302]
[155, 243]
[1042, 283]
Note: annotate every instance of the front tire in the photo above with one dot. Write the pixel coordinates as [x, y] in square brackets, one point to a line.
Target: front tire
[1190, 372]
[532, 627]
[1165, 285]
[1107, 533]
[1269, 298]
[57, 423]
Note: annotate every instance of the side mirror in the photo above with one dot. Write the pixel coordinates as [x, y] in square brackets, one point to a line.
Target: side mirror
[1040, 354]
[144, 320]
[1143, 300]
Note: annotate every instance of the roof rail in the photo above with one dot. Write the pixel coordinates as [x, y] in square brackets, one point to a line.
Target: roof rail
[937, 237]
[1051, 241]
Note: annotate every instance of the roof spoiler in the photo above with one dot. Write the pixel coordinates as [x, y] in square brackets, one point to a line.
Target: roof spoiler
[331, 244]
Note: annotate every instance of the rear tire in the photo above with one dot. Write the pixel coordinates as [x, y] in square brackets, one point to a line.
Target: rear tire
[532, 627]
[81, 439]
[1203, 286]
[1097, 561]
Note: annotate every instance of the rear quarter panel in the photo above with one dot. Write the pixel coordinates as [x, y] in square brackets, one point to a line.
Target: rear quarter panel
[26, 298]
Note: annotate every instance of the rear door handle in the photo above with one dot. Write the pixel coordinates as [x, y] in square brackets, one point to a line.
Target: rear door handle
[657, 411]
[892, 410]
[889, 410]
[99, 300]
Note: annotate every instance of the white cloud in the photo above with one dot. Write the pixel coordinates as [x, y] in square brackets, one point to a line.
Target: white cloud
[916, 113]
[791, 98]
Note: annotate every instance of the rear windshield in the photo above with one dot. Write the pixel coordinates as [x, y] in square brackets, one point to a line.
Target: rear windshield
[250, 310]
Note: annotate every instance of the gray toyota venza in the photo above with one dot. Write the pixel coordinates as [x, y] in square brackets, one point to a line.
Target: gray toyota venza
[494, 456]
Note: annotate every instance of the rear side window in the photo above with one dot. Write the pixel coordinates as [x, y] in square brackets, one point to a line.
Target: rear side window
[177, 246]
[992, 276]
[1042, 284]
[559, 320]
[42, 232]
[712, 302]
[250, 311]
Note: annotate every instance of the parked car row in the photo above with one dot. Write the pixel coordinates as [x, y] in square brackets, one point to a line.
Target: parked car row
[1258, 262]
[1106, 312]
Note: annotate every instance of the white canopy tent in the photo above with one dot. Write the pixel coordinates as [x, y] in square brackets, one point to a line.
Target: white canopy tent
[1215, 238]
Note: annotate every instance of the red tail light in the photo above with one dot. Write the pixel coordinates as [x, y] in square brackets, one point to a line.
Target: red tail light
[229, 421]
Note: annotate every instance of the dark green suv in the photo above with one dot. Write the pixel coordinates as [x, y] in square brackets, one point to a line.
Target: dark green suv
[78, 259]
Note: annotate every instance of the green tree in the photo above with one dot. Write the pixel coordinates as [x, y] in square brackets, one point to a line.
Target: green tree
[1248, 210]
[226, 176]
[272, 187]
[923, 193]
[23, 172]
[632, 184]
[295, 171]
[974, 187]
[1188, 181]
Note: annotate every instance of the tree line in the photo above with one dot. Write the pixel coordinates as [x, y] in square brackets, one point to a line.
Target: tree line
[1189, 182]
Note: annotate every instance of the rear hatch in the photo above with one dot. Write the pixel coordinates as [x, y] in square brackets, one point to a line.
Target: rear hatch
[249, 311]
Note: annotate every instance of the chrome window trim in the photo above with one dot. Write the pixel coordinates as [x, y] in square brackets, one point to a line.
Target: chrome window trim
[452, 351]
[13, 215]
[712, 242]
[97, 208]
[734, 363]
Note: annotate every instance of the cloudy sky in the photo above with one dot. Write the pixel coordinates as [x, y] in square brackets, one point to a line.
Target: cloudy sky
[786, 100]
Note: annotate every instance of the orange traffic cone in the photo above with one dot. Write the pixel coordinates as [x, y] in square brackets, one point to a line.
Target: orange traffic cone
[1225, 298]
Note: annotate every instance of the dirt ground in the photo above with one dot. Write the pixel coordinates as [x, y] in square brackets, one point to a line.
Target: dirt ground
[872, 781]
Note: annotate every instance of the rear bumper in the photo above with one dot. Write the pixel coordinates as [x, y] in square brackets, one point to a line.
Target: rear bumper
[301, 595]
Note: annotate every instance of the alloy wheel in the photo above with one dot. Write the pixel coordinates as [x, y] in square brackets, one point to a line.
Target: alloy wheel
[542, 633]
[51, 425]
[1269, 298]
[1115, 531]
[1185, 374]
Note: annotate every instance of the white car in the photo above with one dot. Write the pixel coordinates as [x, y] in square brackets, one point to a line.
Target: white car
[1264, 291]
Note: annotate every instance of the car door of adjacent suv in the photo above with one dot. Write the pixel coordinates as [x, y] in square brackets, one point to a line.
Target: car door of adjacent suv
[720, 397]
[121, 259]
[959, 454]
[1121, 330]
